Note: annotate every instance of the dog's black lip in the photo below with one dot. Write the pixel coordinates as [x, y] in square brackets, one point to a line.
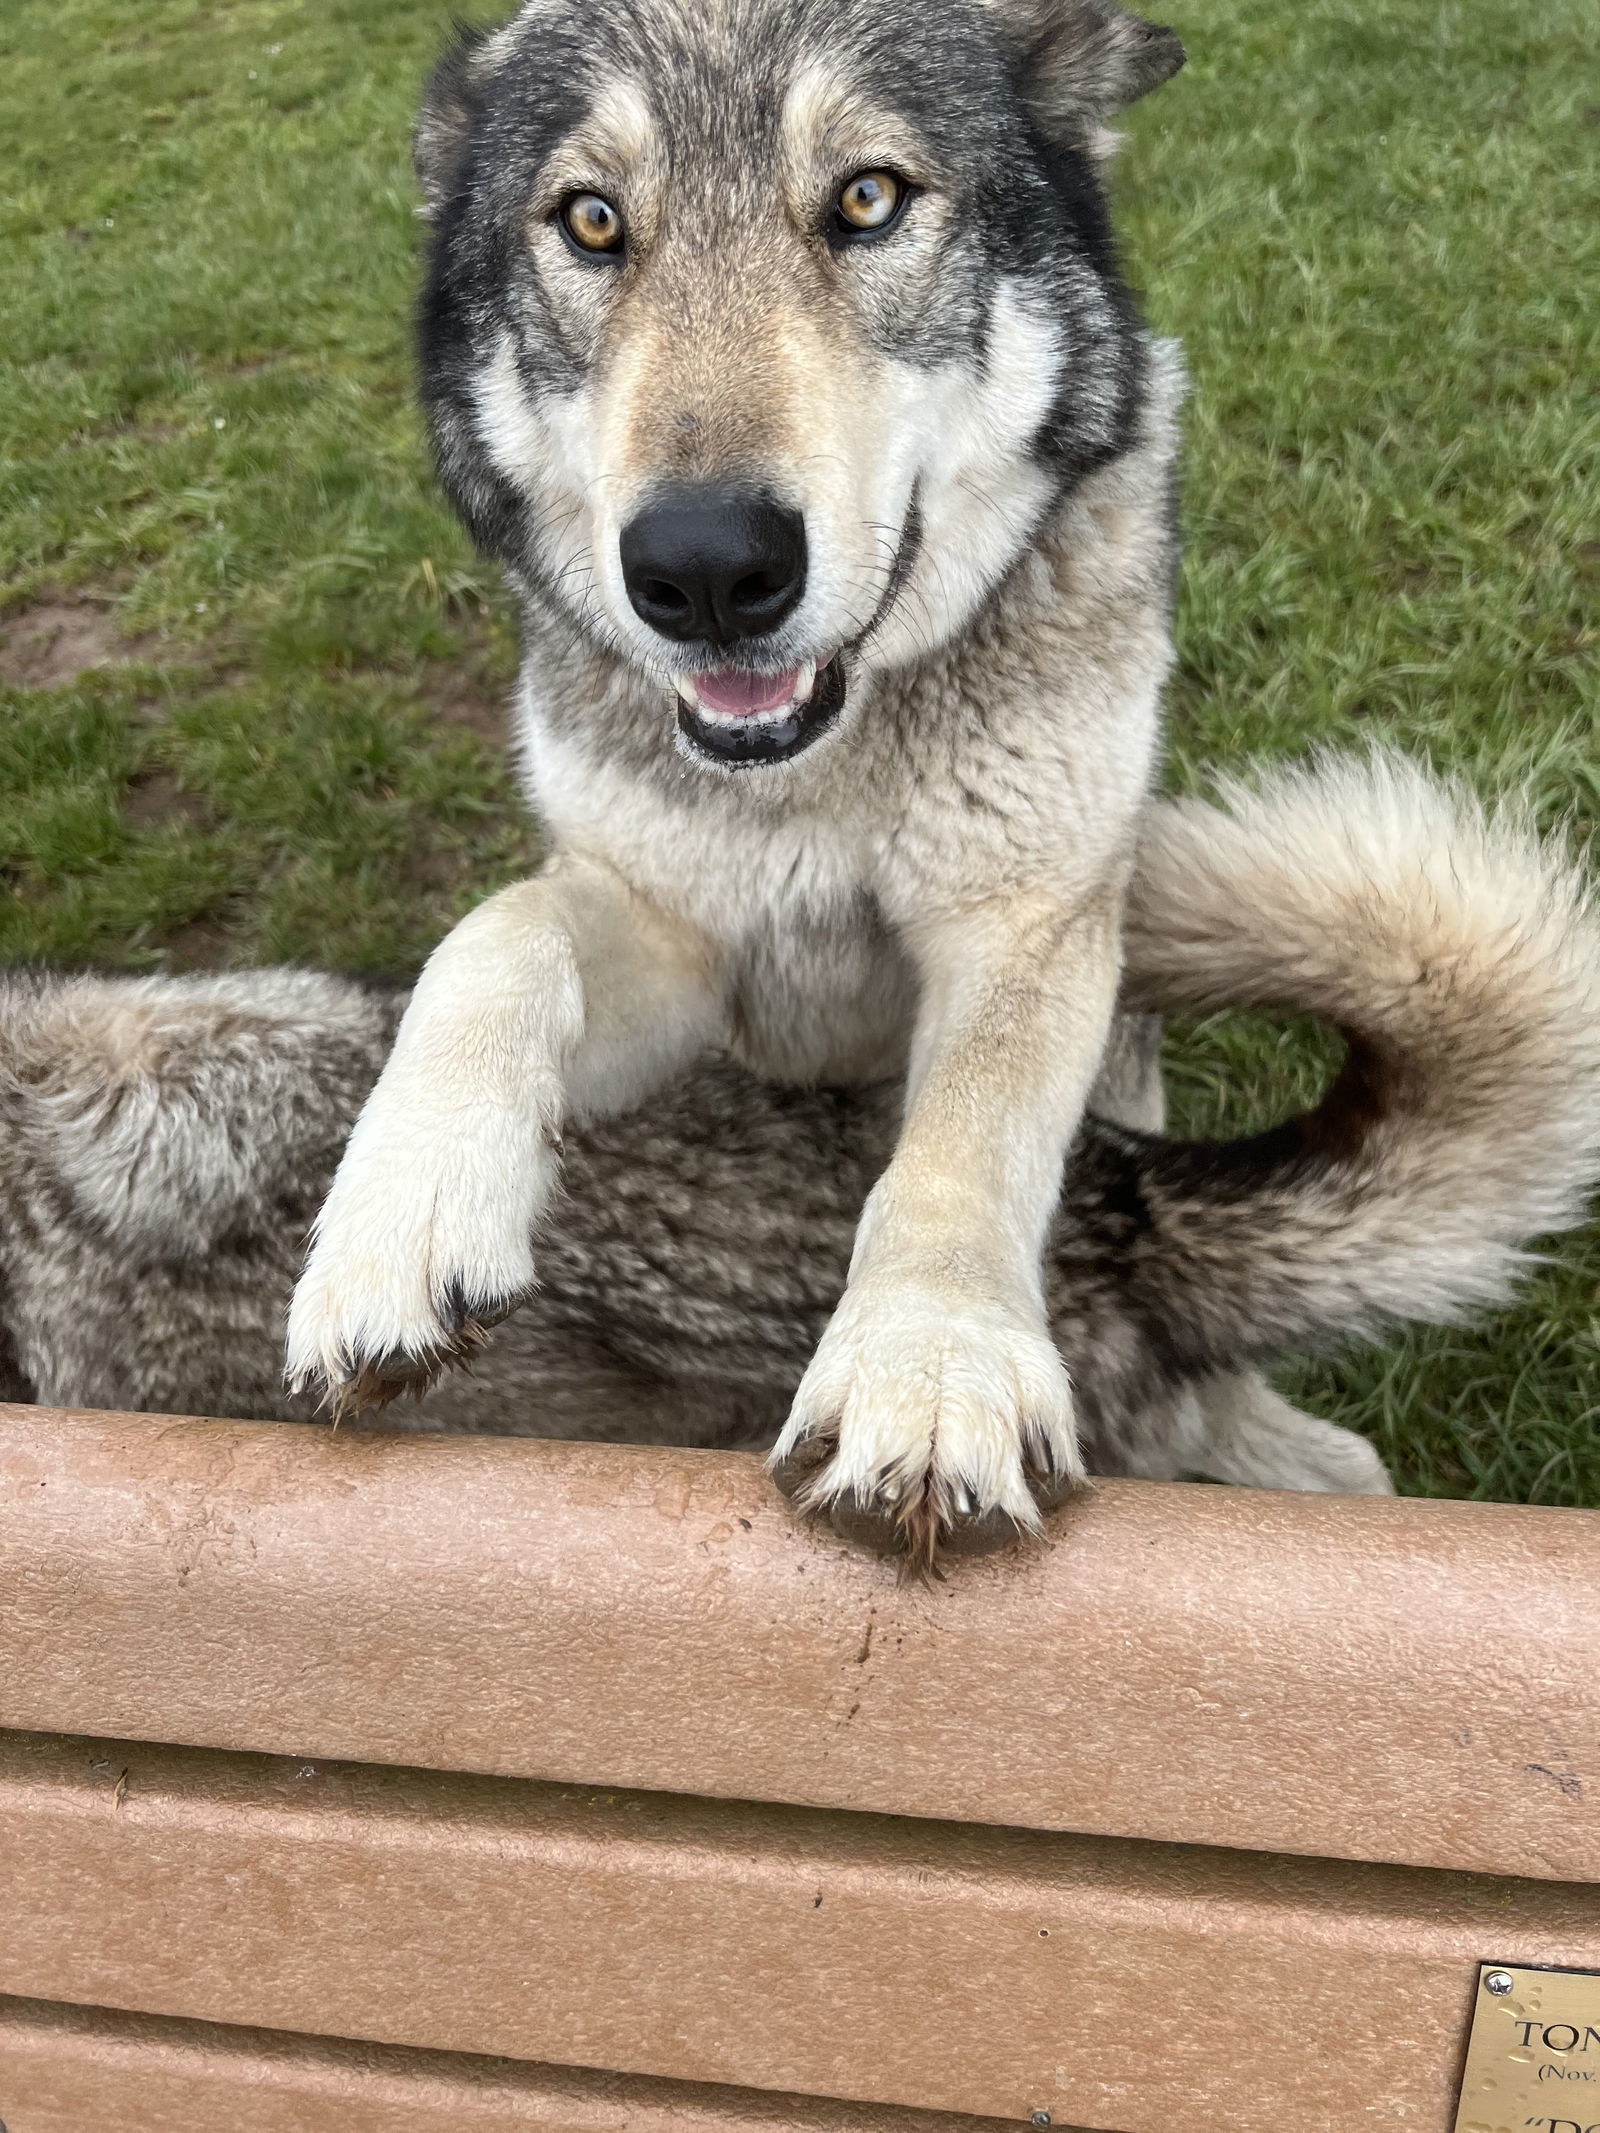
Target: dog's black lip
[749, 744]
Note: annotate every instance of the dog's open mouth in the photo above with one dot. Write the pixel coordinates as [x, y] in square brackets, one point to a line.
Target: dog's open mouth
[740, 720]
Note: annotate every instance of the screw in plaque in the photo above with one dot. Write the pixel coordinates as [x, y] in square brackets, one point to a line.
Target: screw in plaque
[1037, 2118]
[1499, 1982]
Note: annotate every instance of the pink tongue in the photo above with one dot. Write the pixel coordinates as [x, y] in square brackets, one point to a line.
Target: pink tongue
[742, 695]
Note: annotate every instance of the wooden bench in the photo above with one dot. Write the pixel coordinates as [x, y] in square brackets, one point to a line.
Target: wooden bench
[371, 1782]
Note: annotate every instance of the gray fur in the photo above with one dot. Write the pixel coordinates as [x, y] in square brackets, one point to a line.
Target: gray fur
[167, 1141]
[913, 859]
[930, 465]
[171, 1138]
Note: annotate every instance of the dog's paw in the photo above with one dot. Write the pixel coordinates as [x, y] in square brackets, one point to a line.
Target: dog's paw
[425, 1242]
[930, 1423]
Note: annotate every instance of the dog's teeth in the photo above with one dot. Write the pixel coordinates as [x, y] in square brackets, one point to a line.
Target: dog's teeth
[806, 683]
[685, 687]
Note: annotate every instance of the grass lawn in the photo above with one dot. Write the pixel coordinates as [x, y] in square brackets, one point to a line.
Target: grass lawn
[250, 675]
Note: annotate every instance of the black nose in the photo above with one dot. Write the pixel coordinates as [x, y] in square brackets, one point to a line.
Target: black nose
[714, 563]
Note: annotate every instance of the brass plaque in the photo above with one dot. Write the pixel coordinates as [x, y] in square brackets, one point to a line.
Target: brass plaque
[1533, 2064]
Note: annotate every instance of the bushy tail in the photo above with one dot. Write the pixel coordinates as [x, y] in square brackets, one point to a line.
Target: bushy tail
[1458, 953]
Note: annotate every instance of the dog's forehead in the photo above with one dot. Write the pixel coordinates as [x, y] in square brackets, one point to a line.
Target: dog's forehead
[746, 74]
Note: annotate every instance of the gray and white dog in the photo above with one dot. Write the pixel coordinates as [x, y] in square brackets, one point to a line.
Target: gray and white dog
[778, 349]
[164, 1142]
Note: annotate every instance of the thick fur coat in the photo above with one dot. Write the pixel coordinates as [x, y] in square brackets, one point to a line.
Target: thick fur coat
[167, 1140]
[780, 353]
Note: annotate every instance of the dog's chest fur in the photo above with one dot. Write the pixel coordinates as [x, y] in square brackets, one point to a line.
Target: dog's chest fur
[1014, 760]
[818, 987]
[823, 996]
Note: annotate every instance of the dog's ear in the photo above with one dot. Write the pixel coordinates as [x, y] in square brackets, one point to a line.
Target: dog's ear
[1083, 61]
[450, 107]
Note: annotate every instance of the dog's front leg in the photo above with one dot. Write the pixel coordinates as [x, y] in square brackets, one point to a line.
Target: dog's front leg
[566, 993]
[936, 1411]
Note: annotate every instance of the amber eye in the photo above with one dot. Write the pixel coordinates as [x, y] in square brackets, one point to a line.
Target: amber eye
[593, 224]
[870, 202]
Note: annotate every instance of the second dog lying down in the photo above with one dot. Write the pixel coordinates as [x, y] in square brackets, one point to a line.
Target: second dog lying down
[167, 1142]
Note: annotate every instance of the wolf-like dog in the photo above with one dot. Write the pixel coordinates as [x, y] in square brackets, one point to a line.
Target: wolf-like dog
[166, 1140]
[779, 351]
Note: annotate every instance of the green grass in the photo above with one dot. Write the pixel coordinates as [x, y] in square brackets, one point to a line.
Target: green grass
[1373, 222]
[205, 416]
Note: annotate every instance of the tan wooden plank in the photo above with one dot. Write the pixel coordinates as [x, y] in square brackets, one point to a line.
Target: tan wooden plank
[1356, 1678]
[70, 2069]
[942, 1967]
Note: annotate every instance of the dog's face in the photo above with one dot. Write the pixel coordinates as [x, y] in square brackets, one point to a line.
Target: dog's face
[761, 334]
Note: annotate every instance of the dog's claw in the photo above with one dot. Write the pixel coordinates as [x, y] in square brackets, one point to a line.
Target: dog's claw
[929, 1427]
[919, 1526]
[371, 1386]
[368, 1387]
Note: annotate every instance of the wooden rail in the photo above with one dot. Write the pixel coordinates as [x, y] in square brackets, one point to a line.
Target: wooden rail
[510, 1759]
[956, 1968]
[1353, 1678]
[70, 2069]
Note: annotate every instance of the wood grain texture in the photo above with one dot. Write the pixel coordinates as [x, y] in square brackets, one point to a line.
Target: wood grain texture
[67, 2069]
[877, 1960]
[1352, 1678]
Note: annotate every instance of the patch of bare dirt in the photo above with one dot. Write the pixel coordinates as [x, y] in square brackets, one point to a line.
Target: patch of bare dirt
[435, 871]
[125, 426]
[203, 944]
[156, 797]
[463, 699]
[250, 366]
[49, 644]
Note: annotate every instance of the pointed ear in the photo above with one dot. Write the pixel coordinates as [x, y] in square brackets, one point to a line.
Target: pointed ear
[450, 107]
[1082, 61]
